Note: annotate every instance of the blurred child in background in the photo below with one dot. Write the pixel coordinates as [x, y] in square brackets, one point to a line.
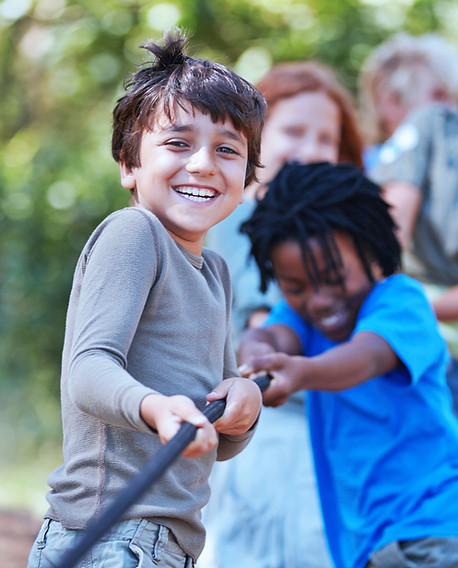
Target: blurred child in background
[400, 74]
[419, 171]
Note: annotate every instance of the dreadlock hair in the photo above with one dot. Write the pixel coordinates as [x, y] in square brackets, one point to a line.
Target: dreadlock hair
[172, 79]
[314, 200]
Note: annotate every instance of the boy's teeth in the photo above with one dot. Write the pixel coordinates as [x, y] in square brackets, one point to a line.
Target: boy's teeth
[331, 320]
[196, 192]
[195, 197]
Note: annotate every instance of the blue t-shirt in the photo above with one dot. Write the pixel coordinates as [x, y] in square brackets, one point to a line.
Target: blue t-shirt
[385, 451]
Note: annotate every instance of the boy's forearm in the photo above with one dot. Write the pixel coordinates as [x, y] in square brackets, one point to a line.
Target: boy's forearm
[102, 388]
[347, 365]
[259, 341]
[255, 342]
[259, 335]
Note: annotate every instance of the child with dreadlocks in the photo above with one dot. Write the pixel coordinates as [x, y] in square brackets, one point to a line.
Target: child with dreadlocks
[148, 333]
[362, 338]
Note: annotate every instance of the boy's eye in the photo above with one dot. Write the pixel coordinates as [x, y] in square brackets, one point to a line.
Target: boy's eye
[332, 281]
[292, 290]
[226, 150]
[176, 143]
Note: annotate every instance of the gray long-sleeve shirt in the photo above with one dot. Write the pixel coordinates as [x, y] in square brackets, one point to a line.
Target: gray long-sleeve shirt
[144, 316]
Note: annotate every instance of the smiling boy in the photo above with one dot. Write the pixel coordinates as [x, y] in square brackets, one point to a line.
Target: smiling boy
[147, 340]
[362, 338]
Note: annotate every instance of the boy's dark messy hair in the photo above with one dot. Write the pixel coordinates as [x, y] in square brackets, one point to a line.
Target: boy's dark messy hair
[313, 201]
[174, 78]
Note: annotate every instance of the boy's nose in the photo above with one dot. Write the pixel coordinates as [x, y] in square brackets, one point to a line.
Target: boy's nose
[319, 302]
[201, 161]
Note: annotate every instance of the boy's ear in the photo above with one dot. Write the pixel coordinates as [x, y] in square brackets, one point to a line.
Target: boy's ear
[127, 176]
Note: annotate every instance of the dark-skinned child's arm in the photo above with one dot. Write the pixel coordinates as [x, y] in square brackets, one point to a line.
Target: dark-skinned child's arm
[365, 356]
[256, 342]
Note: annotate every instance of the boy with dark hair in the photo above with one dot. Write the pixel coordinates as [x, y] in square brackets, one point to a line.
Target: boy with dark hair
[363, 340]
[148, 325]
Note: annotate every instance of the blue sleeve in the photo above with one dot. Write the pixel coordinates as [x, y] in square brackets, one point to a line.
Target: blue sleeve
[282, 314]
[312, 342]
[398, 310]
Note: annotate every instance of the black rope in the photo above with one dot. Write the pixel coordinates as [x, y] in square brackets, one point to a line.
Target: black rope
[153, 470]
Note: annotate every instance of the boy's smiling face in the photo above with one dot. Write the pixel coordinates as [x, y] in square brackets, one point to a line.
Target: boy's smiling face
[331, 308]
[192, 173]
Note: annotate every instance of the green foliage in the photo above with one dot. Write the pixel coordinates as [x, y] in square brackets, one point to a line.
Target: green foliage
[62, 64]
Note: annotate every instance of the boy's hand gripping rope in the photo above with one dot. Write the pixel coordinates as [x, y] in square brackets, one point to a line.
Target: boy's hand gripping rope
[145, 478]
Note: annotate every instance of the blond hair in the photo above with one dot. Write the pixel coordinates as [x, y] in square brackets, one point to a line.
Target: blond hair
[394, 66]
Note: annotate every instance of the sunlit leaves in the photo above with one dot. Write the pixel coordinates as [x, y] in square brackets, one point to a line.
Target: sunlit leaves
[62, 64]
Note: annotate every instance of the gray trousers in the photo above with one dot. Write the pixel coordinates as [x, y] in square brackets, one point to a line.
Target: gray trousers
[420, 553]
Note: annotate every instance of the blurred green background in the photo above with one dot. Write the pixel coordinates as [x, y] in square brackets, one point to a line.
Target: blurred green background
[62, 65]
